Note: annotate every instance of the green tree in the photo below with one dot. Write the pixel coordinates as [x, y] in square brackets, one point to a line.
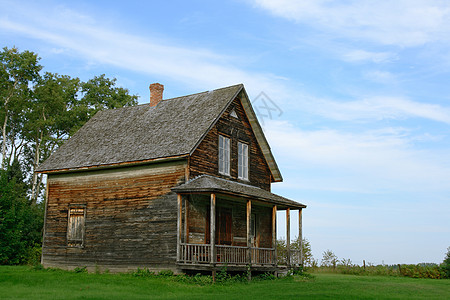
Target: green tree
[329, 259]
[37, 114]
[20, 222]
[446, 264]
[49, 121]
[101, 93]
[60, 106]
[307, 257]
[18, 70]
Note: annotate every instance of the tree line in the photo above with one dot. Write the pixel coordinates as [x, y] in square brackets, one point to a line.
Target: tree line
[39, 110]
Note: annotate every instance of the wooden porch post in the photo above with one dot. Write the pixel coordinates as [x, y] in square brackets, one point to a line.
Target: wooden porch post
[186, 213]
[288, 237]
[249, 239]
[179, 211]
[274, 234]
[300, 236]
[213, 235]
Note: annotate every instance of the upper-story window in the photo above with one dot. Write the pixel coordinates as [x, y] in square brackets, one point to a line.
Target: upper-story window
[224, 155]
[242, 161]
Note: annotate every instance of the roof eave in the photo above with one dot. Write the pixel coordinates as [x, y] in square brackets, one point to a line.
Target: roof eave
[114, 165]
[241, 195]
[260, 137]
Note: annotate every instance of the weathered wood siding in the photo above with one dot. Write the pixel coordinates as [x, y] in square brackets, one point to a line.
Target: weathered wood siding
[204, 160]
[131, 217]
[198, 219]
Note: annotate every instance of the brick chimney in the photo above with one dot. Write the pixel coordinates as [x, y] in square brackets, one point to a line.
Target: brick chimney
[156, 93]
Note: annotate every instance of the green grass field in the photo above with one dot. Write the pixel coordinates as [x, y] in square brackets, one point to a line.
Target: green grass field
[25, 283]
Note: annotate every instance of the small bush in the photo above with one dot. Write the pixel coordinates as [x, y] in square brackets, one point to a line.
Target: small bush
[445, 266]
[165, 273]
[143, 273]
[265, 276]
[80, 270]
[33, 255]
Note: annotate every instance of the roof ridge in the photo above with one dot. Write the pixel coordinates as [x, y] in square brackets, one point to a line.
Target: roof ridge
[204, 92]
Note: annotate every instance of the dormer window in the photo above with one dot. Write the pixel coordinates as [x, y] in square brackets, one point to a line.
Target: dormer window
[242, 161]
[224, 155]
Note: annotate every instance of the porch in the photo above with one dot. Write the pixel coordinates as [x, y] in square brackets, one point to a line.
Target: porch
[232, 226]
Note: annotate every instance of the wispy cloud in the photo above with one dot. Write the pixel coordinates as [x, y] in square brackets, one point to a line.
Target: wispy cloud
[72, 32]
[368, 56]
[368, 161]
[403, 22]
[378, 108]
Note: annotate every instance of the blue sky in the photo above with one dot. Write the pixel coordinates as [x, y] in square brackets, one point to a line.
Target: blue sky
[363, 137]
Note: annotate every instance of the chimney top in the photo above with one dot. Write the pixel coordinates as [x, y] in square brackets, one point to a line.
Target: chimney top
[156, 93]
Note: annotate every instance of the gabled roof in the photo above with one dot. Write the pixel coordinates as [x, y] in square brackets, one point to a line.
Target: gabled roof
[207, 183]
[173, 128]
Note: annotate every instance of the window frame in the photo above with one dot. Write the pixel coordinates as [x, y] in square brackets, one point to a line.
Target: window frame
[224, 150]
[71, 241]
[243, 161]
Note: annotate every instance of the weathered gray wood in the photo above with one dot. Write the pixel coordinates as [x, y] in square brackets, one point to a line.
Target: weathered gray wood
[300, 235]
[288, 237]
[213, 228]
[204, 160]
[213, 235]
[274, 233]
[179, 211]
[45, 222]
[249, 239]
[131, 217]
[186, 214]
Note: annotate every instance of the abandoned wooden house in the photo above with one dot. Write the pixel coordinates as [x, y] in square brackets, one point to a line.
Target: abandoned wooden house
[180, 184]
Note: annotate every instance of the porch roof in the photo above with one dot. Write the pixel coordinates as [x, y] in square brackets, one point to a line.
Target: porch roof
[208, 183]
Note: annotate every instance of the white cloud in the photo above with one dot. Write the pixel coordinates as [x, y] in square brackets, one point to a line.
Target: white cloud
[366, 162]
[363, 56]
[402, 22]
[380, 76]
[378, 108]
[83, 35]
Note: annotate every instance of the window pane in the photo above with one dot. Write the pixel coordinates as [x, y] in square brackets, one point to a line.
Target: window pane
[242, 160]
[224, 155]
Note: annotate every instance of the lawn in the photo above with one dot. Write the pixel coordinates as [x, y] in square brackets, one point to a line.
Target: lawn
[26, 283]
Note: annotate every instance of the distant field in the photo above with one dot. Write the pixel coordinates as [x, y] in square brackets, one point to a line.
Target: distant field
[25, 283]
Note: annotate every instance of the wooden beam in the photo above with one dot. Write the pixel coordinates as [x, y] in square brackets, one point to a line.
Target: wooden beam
[186, 214]
[300, 235]
[288, 237]
[249, 238]
[274, 233]
[179, 211]
[45, 219]
[213, 229]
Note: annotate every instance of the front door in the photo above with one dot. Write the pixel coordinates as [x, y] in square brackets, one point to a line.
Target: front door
[224, 222]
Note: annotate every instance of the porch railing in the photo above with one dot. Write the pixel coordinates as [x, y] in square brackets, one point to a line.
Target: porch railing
[233, 255]
[195, 253]
[295, 257]
[263, 256]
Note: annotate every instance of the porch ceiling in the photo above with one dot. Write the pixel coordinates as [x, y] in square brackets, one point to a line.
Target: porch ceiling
[207, 183]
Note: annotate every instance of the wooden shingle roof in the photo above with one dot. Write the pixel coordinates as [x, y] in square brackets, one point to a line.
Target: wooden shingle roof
[173, 128]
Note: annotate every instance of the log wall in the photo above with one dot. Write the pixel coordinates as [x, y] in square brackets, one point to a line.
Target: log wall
[204, 160]
[131, 217]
